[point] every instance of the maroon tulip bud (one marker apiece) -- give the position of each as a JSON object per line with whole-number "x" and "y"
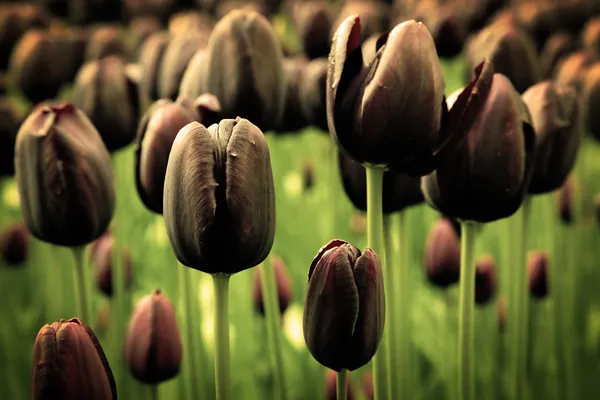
{"x": 107, "y": 92}
{"x": 14, "y": 244}
{"x": 308, "y": 174}
{"x": 293, "y": 116}
{"x": 70, "y": 46}
{"x": 358, "y": 223}
{"x": 151, "y": 55}
{"x": 313, "y": 23}
{"x": 442, "y": 254}
{"x": 557, "y": 47}
{"x": 105, "y": 41}
{"x": 537, "y": 266}
{"x": 448, "y": 32}
{"x": 15, "y": 21}
{"x": 194, "y": 75}
{"x": 591, "y": 100}
{"x": 572, "y": 70}
{"x": 69, "y": 364}
{"x": 140, "y": 28}
{"x": 485, "y": 279}
{"x": 208, "y": 109}
{"x": 565, "y": 201}
{"x": 590, "y": 36}
{"x": 331, "y": 386}
{"x": 282, "y": 281}
{"x": 313, "y": 93}
{"x": 153, "y": 348}
{"x": 501, "y": 313}
{"x": 102, "y": 258}
{"x": 10, "y": 121}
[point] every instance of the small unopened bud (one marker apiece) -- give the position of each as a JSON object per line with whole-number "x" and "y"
{"x": 103, "y": 261}
{"x": 14, "y": 244}
{"x": 442, "y": 254}
{"x": 308, "y": 173}
{"x": 537, "y": 265}
{"x": 485, "y": 279}
{"x": 283, "y": 283}
{"x": 565, "y": 201}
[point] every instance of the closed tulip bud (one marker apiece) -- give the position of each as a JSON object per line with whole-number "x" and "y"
{"x": 70, "y": 45}
{"x": 293, "y": 116}
{"x": 208, "y": 109}
{"x": 591, "y": 100}
{"x": 510, "y": 50}
{"x": 14, "y": 244}
{"x": 448, "y": 32}
{"x": 399, "y": 190}
{"x": 107, "y": 92}
{"x": 374, "y": 113}
{"x": 219, "y": 198}
{"x": 557, "y": 47}
{"x": 140, "y": 28}
{"x": 331, "y": 387}
{"x": 308, "y": 173}
{"x": 344, "y": 310}
{"x": 565, "y": 201}
{"x": 554, "y": 113}
{"x": 572, "y": 70}
{"x": 151, "y": 55}
{"x": 102, "y": 258}
{"x": 590, "y": 36}
{"x": 69, "y": 364}
{"x": 313, "y": 23}
{"x": 175, "y": 60}
{"x": 374, "y": 17}
{"x": 485, "y": 279}
{"x": 153, "y": 348}
{"x": 10, "y": 120}
{"x": 283, "y": 283}
{"x": 501, "y": 313}
{"x": 442, "y": 254}
{"x": 313, "y": 93}
{"x": 189, "y": 23}
{"x": 15, "y": 21}
{"x": 105, "y": 41}
{"x": 193, "y": 77}
{"x": 64, "y": 176}
{"x": 488, "y": 175}
{"x": 157, "y": 131}
{"x": 33, "y": 67}
{"x": 160, "y": 9}
{"x": 244, "y": 69}
{"x": 537, "y": 266}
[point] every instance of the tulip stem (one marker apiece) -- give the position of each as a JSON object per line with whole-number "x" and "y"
{"x": 340, "y": 384}
{"x": 466, "y": 312}
{"x": 273, "y": 319}
{"x": 381, "y": 376}
{"x": 221, "y": 332}
{"x": 185, "y": 282}
{"x": 82, "y": 288}
{"x": 153, "y": 392}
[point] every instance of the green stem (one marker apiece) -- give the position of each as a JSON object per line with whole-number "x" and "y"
{"x": 381, "y": 377}
{"x": 82, "y": 287}
{"x": 222, "y": 368}
{"x": 405, "y": 362}
{"x": 466, "y": 313}
{"x": 341, "y": 378}
{"x": 273, "y": 320}
{"x": 192, "y": 374}
{"x": 153, "y": 392}
{"x": 389, "y": 272}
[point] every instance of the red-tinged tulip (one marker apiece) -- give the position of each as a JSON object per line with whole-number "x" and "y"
{"x": 283, "y": 283}
{"x": 102, "y": 258}
{"x": 344, "y": 311}
{"x": 14, "y": 244}
{"x": 69, "y": 364}
{"x": 590, "y": 36}
{"x": 15, "y": 21}
{"x": 537, "y": 266}
{"x": 187, "y": 23}
{"x": 374, "y": 17}
{"x": 331, "y": 386}
{"x": 313, "y": 93}
{"x": 442, "y": 254}
{"x": 153, "y": 349}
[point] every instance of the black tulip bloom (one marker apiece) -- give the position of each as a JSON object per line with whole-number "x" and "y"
{"x": 243, "y": 69}
{"x": 105, "y": 41}
{"x": 313, "y": 24}
{"x": 488, "y": 175}
{"x": 448, "y": 31}
{"x": 485, "y": 280}
{"x": 555, "y": 114}
{"x": 175, "y": 60}
{"x": 151, "y": 55}
{"x": 10, "y": 120}
{"x": 283, "y": 283}
{"x": 399, "y": 191}
{"x": 156, "y": 133}
{"x": 537, "y": 266}
{"x": 373, "y": 111}
{"x": 140, "y": 28}
{"x": 313, "y": 93}
{"x": 374, "y": 17}
{"x": 69, "y": 364}
{"x": 107, "y": 92}
{"x": 14, "y": 244}
{"x": 15, "y": 21}
{"x": 219, "y": 197}
{"x": 69, "y": 47}
{"x": 590, "y": 36}
{"x": 591, "y": 100}
{"x": 344, "y": 311}
{"x": 64, "y": 176}
{"x": 557, "y": 47}
{"x": 442, "y": 254}
{"x": 293, "y": 116}
{"x": 153, "y": 348}
{"x": 193, "y": 77}
{"x": 102, "y": 258}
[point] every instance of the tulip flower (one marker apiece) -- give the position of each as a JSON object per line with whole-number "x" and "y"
{"x": 554, "y": 113}
{"x": 140, "y": 28}
{"x": 591, "y": 99}
{"x": 106, "y": 91}
{"x": 10, "y": 120}
{"x": 590, "y": 36}
{"x": 374, "y": 17}
{"x": 313, "y": 93}
{"x": 153, "y": 348}
{"x": 69, "y": 363}
{"x": 557, "y": 47}
{"x": 537, "y": 267}
{"x": 102, "y": 258}
{"x": 442, "y": 254}
{"x": 565, "y": 201}
{"x": 283, "y": 283}
{"x": 449, "y": 32}
{"x": 105, "y": 41}
{"x": 69, "y": 51}
{"x": 293, "y": 116}
{"x": 193, "y": 76}
{"x": 312, "y": 20}
{"x": 572, "y": 70}
{"x": 344, "y": 311}
{"x": 186, "y": 23}
{"x": 485, "y": 279}
{"x": 14, "y": 244}
{"x": 150, "y": 59}
{"x": 15, "y": 21}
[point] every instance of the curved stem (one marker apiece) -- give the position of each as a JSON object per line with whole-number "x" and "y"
{"x": 273, "y": 320}
{"x": 466, "y": 313}
{"x": 340, "y": 384}
{"x": 82, "y": 287}
{"x": 381, "y": 378}
{"x": 222, "y": 368}
{"x": 192, "y": 374}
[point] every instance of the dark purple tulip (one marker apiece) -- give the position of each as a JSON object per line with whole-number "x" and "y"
{"x": 153, "y": 349}
{"x": 374, "y": 113}
{"x": 399, "y": 190}
{"x": 151, "y": 55}
{"x": 572, "y": 70}
{"x": 555, "y": 114}
{"x": 102, "y": 258}
{"x": 140, "y": 28}
{"x": 590, "y": 36}
{"x": 107, "y": 92}
{"x": 331, "y": 386}
{"x": 64, "y": 176}
{"x": 284, "y": 287}
{"x": 565, "y": 201}
{"x": 557, "y": 47}
{"x": 591, "y": 100}
{"x": 308, "y": 174}
{"x": 449, "y": 32}
{"x": 488, "y": 175}
{"x": 15, "y": 21}
{"x": 156, "y": 133}
{"x": 14, "y": 244}
{"x": 344, "y": 311}
{"x": 103, "y": 318}
{"x": 293, "y": 115}
{"x": 313, "y": 93}
{"x": 219, "y": 197}
{"x": 537, "y": 266}
{"x": 485, "y": 279}
{"x": 442, "y": 254}
{"x": 374, "y": 17}
{"x": 313, "y": 20}
{"x": 69, "y": 364}
{"x": 105, "y": 41}
{"x": 69, "y": 47}
{"x": 194, "y": 75}
{"x": 11, "y": 118}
